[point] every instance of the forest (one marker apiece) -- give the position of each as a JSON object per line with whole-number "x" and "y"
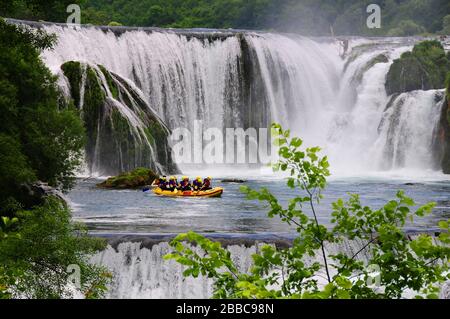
{"x": 307, "y": 17}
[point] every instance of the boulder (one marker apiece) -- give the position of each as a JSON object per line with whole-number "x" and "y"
{"x": 233, "y": 180}
{"x": 137, "y": 178}
{"x": 424, "y": 68}
{"x": 31, "y": 195}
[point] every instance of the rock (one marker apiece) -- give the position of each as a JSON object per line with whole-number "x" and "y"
{"x": 444, "y": 134}
{"x": 31, "y": 195}
{"x": 424, "y": 68}
{"x": 137, "y": 178}
{"x": 123, "y": 132}
{"x": 233, "y": 180}
{"x": 380, "y": 58}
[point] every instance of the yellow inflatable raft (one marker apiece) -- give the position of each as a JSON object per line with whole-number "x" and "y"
{"x": 215, "y": 192}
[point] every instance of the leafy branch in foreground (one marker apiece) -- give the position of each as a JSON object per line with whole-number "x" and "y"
{"x": 36, "y": 249}
{"x": 385, "y": 254}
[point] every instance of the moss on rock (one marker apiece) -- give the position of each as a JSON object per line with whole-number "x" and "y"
{"x": 380, "y": 58}
{"x": 130, "y": 180}
{"x": 72, "y": 71}
{"x": 116, "y": 140}
{"x": 424, "y": 68}
{"x": 111, "y": 84}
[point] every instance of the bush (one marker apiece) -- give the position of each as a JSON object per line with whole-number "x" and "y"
{"x": 406, "y": 28}
{"x": 36, "y": 249}
{"x": 446, "y": 25}
{"x": 114, "y": 24}
{"x": 419, "y": 265}
{"x": 40, "y": 138}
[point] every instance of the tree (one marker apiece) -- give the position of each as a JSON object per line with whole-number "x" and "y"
{"x": 49, "y": 10}
{"x": 406, "y": 28}
{"x": 308, "y": 17}
{"x": 41, "y": 138}
{"x": 446, "y": 25}
{"x": 417, "y": 264}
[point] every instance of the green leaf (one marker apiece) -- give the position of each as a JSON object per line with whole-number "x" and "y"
{"x": 443, "y": 224}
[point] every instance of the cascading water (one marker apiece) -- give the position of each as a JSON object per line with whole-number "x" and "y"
{"x": 141, "y": 272}
{"x": 250, "y": 79}
{"x": 244, "y": 79}
{"x": 408, "y": 129}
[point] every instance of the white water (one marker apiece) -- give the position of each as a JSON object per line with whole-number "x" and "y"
{"x": 300, "y": 82}
{"x": 140, "y": 272}
{"x": 143, "y": 273}
{"x": 406, "y": 131}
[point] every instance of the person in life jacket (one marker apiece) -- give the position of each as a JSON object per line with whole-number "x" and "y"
{"x": 173, "y": 183}
{"x": 185, "y": 185}
{"x": 206, "y": 184}
{"x": 162, "y": 182}
{"x": 197, "y": 183}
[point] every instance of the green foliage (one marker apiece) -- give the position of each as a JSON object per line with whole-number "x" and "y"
{"x": 446, "y": 25}
{"x": 38, "y": 247}
{"x": 114, "y": 24}
{"x": 424, "y": 68}
{"x": 311, "y": 17}
{"x": 39, "y": 137}
{"x": 418, "y": 264}
{"x": 49, "y": 10}
{"x": 111, "y": 84}
{"x": 72, "y": 71}
{"x": 406, "y": 28}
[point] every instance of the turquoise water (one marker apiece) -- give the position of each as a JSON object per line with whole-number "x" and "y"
{"x": 133, "y": 211}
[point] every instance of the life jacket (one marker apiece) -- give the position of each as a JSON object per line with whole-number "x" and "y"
{"x": 173, "y": 183}
{"x": 185, "y": 186}
{"x": 206, "y": 184}
{"x": 162, "y": 184}
{"x": 197, "y": 185}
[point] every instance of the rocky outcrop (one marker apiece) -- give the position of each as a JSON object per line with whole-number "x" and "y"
{"x": 31, "y": 195}
{"x": 424, "y": 68}
{"x": 444, "y": 135}
{"x": 233, "y": 180}
{"x": 123, "y": 132}
{"x": 130, "y": 180}
{"x": 380, "y": 58}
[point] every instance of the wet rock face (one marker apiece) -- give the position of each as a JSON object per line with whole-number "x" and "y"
{"x": 445, "y": 133}
{"x": 31, "y": 195}
{"x": 123, "y": 132}
{"x": 424, "y": 68}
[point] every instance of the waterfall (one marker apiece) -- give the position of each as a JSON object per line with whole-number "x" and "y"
{"x": 408, "y": 130}
{"x": 249, "y": 79}
{"x": 141, "y": 272}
